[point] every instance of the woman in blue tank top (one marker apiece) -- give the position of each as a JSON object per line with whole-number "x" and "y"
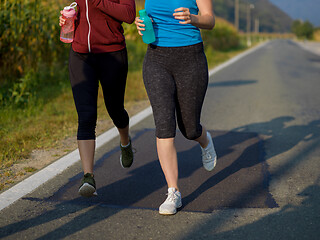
{"x": 168, "y": 30}
{"x": 175, "y": 74}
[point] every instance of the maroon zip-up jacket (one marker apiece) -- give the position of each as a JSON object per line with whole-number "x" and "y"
{"x": 98, "y": 25}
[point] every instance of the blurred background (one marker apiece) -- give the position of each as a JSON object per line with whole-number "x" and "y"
{"x": 36, "y": 107}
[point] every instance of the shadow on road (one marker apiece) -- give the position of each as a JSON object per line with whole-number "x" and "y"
{"x": 241, "y": 161}
{"x": 290, "y": 222}
{"x": 232, "y": 83}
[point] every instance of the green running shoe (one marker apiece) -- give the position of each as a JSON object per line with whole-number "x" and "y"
{"x": 126, "y": 155}
{"x": 88, "y": 186}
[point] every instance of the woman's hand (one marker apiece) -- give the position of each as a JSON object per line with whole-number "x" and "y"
{"x": 62, "y": 20}
{"x": 140, "y": 25}
{"x": 205, "y": 20}
{"x": 184, "y": 15}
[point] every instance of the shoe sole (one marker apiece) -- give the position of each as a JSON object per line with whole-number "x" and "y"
{"x": 169, "y": 213}
{"x": 86, "y": 190}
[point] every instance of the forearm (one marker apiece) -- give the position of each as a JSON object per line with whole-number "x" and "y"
{"x": 123, "y": 11}
{"x": 203, "y": 21}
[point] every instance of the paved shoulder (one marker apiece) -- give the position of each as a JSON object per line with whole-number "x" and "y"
{"x": 313, "y": 47}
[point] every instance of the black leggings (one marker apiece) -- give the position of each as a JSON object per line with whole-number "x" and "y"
{"x": 176, "y": 80}
{"x": 85, "y": 71}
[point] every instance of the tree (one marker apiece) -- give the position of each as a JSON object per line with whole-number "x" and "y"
{"x": 302, "y": 29}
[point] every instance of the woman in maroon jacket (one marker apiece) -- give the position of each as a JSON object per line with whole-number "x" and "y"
{"x": 98, "y": 53}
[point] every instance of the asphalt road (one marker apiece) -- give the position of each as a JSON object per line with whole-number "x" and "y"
{"x": 263, "y": 111}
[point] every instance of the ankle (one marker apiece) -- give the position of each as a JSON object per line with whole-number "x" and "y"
{"x": 90, "y": 173}
{"x": 125, "y": 145}
{"x": 125, "y": 141}
{"x": 205, "y": 144}
{"x": 175, "y": 188}
{"x": 203, "y": 140}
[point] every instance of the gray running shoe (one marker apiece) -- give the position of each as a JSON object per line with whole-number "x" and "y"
{"x": 88, "y": 186}
{"x": 170, "y": 205}
{"x": 126, "y": 155}
{"x": 209, "y": 156}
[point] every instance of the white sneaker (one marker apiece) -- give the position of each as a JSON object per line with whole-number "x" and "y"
{"x": 172, "y": 202}
{"x": 209, "y": 156}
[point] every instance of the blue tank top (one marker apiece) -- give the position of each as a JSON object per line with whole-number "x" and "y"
{"x": 168, "y": 31}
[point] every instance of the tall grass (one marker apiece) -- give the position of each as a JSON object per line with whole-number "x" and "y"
{"x": 33, "y": 72}
{"x": 29, "y": 43}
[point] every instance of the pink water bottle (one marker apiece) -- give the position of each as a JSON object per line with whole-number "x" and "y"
{"x": 67, "y": 30}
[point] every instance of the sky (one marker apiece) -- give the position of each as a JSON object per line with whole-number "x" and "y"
{"x": 301, "y": 9}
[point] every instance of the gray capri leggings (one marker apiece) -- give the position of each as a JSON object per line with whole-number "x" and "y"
{"x": 176, "y": 80}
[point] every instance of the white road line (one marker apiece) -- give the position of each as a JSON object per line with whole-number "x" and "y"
{"x": 34, "y": 181}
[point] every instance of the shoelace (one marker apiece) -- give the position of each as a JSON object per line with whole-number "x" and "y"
{"x": 171, "y": 197}
{"x": 207, "y": 155}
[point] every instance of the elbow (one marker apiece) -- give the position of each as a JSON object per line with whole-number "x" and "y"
{"x": 209, "y": 23}
{"x": 131, "y": 16}
{"x": 213, "y": 23}
{"x": 209, "y": 26}
{"x": 131, "y": 19}
{"x": 212, "y": 26}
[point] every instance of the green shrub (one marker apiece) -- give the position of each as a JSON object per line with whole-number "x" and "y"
{"x": 223, "y": 37}
{"x": 302, "y": 29}
{"x": 29, "y": 36}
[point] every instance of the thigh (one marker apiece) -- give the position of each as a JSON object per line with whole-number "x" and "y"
{"x": 84, "y": 82}
{"x": 161, "y": 91}
{"x": 113, "y": 70}
{"x": 192, "y": 83}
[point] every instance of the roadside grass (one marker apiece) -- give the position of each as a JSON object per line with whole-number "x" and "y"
{"x": 215, "y": 58}
{"x": 316, "y": 35}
